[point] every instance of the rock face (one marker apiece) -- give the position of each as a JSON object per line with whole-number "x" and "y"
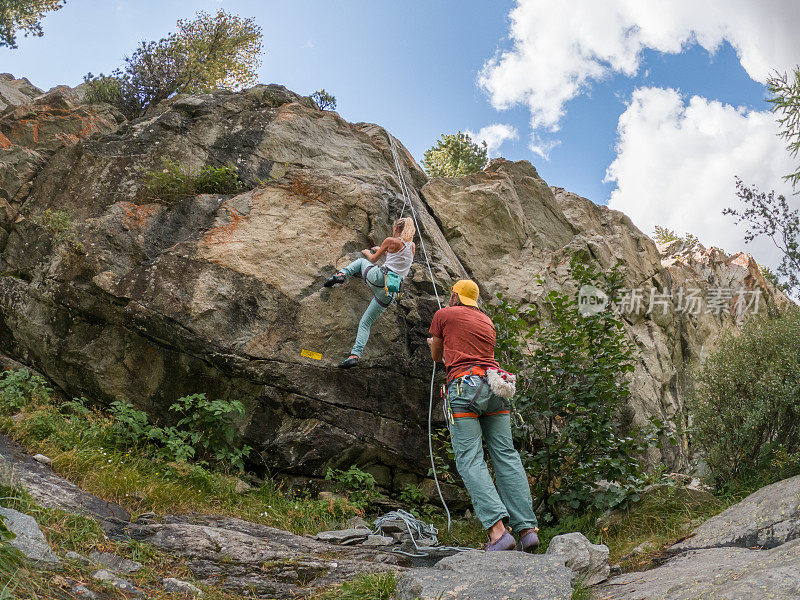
{"x": 249, "y": 558}
{"x": 14, "y": 92}
{"x": 50, "y": 490}
{"x": 489, "y": 576}
{"x": 128, "y": 296}
{"x": 751, "y": 550}
{"x": 588, "y": 562}
{"x": 766, "y": 519}
{"x": 29, "y": 538}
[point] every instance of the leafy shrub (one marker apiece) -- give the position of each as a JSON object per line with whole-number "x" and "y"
{"x": 220, "y": 51}
{"x": 56, "y": 222}
{"x": 20, "y": 387}
{"x": 747, "y": 403}
{"x": 209, "y": 428}
{"x": 205, "y": 433}
{"x": 664, "y": 235}
{"x": 359, "y": 484}
{"x": 454, "y": 155}
{"x": 324, "y": 100}
{"x": 443, "y": 456}
{"x": 175, "y": 182}
{"x": 572, "y": 378}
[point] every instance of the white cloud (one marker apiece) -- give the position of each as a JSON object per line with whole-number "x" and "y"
{"x": 494, "y": 135}
{"x": 560, "y": 48}
{"x": 676, "y": 163}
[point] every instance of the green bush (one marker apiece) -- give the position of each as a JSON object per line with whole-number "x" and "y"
{"x": 219, "y": 51}
{"x": 572, "y": 378}
{"x": 746, "y": 409}
{"x": 359, "y": 484}
{"x": 205, "y": 432}
{"x": 324, "y": 100}
{"x": 175, "y": 182}
{"x": 56, "y": 222}
{"x": 20, "y": 387}
{"x": 209, "y": 429}
{"x": 454, "y": 155}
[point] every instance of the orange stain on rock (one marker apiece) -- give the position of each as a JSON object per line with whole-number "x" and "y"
{"x": 224, "y": 234}
{"x": 137, "y": 215}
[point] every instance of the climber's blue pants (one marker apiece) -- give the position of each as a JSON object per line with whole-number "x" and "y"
{"x": 479, "y": 414}
{"x": 380, "y": 302}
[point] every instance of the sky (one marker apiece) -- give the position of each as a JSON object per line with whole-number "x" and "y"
{"x": 650, "y": 107}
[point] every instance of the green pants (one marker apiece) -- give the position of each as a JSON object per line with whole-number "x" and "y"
{"x": 380, "y": 302}
{"x": 477, "y": 415}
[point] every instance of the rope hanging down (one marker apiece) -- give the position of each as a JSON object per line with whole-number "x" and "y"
{"x": 407, "y": 201}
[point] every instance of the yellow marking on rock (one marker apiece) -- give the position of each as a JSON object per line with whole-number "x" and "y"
{"x": 310, "y": 354}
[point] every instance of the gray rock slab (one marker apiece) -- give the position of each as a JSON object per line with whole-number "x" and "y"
{"x": 589, "y": 562}
{"x": 714, "y": 574}
{"x": 249, "y": 558}
{"x": 119, "y": 583}
{"x": 115, "y": 563}
{"x": 766, "y": 518}
{"x": 49, "y": 489}
{"x": 477, "y": 575}
{"x": 83, "y": 592}
{"x": 378, "y": 540}
{"x": 29, "y": 538}
{"x": 343, "y": 536}
{"x": 171, "y": 584}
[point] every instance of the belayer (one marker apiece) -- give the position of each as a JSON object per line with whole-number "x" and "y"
{"x": 384, "y": 281}
{"x": 477, "y": 407}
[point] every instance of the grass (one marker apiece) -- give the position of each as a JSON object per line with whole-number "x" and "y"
{"x": 367, "y": 586}
{"x": 175, "y": 182}
{"x": 85, "y": 448}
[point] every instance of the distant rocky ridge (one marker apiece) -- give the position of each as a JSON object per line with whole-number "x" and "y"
{"x": 148, "y": 300}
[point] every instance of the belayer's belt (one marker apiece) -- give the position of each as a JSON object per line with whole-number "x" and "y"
{"x": 465, "y": 377}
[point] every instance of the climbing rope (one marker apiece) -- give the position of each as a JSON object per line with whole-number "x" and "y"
{"x": 407, "y": 201}
{"x": 417, "y": 529}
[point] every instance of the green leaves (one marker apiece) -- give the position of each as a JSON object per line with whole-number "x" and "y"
{"x": 454, "y": 155}
{"x": 20, "y": 387}
{"x": 23, "y": 16}
{"x": 747, "y": 402}
{"x": 206, "y": 432}
{"x": 175, "y": 182}
{"x": 324, "y": 100}
{"x": 219, "y": 51}
{"x": 572, "y": 377}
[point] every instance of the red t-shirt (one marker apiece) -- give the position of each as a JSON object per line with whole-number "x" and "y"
{"x": 468, "y": 336}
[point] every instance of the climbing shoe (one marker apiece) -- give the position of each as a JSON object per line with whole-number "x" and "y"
{"x": 530, "y": 541}
{"x": 506, "y": 542}
{"x": 333, "y": 280}
{"x": 349, "y": 363}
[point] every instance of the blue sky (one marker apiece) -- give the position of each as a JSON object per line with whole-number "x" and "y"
{"x": 414, "y": 68}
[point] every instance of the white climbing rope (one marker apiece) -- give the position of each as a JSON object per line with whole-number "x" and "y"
{"x": 407, "y": 201}
{"x": 417, "y": 529}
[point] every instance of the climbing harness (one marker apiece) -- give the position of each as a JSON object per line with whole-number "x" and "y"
{"x": 392, "y": 290}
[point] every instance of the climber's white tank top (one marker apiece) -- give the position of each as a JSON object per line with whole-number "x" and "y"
{"x": 400, "y": 261}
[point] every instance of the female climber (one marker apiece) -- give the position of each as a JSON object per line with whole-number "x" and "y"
{"x": 399, "y": 251}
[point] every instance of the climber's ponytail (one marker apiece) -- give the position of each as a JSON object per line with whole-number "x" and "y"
{"x": 405, "y": 225}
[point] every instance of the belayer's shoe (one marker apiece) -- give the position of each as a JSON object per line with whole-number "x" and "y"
{"x": 530, "y": 541}
{"x": 506, "y": 542}
{"x": 333, "y": 280}
{"x": 349, "y": 363}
